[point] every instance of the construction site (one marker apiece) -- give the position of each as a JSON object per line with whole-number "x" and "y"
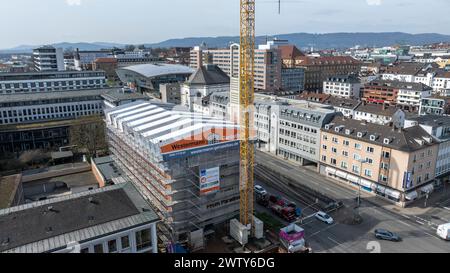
{"x": 185, "y": 164}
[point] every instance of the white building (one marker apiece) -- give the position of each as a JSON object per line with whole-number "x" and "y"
{"x": 115, "y": 219}
{"x": 345, "y": 86}
{"x": 206, "y": 80}
{"x": 379, "y": 114}
{"x": 413, "y": 97}
{"x": 48, "y": 58}
{"x": 35, "y": 82}
{"x": 27, "y": 108}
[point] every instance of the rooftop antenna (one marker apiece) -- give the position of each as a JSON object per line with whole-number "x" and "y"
{"x": 279, "y": 6}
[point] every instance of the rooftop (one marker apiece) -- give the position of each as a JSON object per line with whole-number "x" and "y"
{"x": 290, "y": 52}
{"x": 40, "y": 96}
{"x": 107, "y": 167}
{"x": 327, "y": 60}
{"x": 341, "y": 102}
{"x": 377, "y": 109}
{"x": 432, "y": 120}
{"x": 209, "y": 75}
{"x": 118, "y": 95}
{"x": 399, "y": 85}
{"x": 155, "y": 70}
{"x": 344, "y": 78}
{"x": 408, "y": 140}
{"x": 405, "y": 68}
{"x": 52, "y": 224}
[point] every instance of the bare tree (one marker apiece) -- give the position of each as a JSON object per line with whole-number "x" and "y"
{"x": 89, "y": 137}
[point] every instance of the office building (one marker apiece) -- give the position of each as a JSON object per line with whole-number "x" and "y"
{"x": 33, "y": 82}
{"x": 48, "y": 58}
{"x": 435, "y": 105}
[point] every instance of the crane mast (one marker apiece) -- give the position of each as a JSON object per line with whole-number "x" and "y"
{"x": 246, "y": 80}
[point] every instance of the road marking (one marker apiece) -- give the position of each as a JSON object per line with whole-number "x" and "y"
{"x": 406, "y": 224}
{"x": 447, "y": 208}
{"x": 334, "y": 241}
{"x": 327, "y": 228}
{"x": 420, "y": 222}
{"x": 407, "y": 217}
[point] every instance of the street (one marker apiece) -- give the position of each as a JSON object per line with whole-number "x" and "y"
{"x": 417, "y": 231}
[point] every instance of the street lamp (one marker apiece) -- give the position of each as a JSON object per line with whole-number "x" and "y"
{"x": 361, "y": 161}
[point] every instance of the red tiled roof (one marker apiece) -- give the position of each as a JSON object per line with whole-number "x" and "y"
{"x": 328, "y": 60}
{"x": 106, "y": 60}
{"x": 290, "y": 52}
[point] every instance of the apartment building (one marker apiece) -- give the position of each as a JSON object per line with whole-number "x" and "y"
{"x": 439, "y": 128}
{"x": 319, "y": 69}
{"x": 396, "y": 164}
{"x": 405, "y": 94}
{"x": 34, "y": 82}
{"x": 382, "y": 114}
{"x": 48, "y": 58}
{"x": 344, "y": 86}
{"x": 435, "y": 105}
{"x": 429, "y": 74}
{"x": 115, "y": 219}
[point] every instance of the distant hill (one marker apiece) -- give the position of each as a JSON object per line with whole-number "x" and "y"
{"x": 301, "y": 40}
{"x": 320, "y": 41}
{"x": 64, "y": 45}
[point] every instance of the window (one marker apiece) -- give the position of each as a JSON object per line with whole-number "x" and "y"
{"x": 333, "y": 161}
{"x": 324, "y": 158}
{"x": 370, "y": 150}
{"x": 325, "y": 137}
{"x": 386, "y": 154}
{"x": 324, "y": 147}
{"x": 344, "y": 165}
{"x": 355, "y": 169}
{"x": 345, "y": 153}
{"x": 335, "y": 140}
{"x": 112, "y": 246}
{"x": 346, "y": 143}
{"x": 98, "y": 248}
{"x": 368, "y": 173}
{"x": 125, "y": 240}
{"x": 385, "y": 166}
{"x": 369, "y": 160}
{"x": 334, "y": 150}
{"x": 143, "y": 239}
{"x": 356, "y": 157}
{"x": 383, "y": 178}
{"x": 358, "y": 146}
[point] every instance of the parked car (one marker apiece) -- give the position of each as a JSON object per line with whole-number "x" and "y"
{"x": 322, "y": 216}
{"x": 383, "y": 234}
{"x": 260, "y": 190}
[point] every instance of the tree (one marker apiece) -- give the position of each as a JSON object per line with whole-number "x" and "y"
{"x": 89, "y": 136}
{"x": 130, "y": 48}
{"x": 33, "y": 156}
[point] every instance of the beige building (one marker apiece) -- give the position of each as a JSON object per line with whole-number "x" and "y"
{"x": 397, "y": 164}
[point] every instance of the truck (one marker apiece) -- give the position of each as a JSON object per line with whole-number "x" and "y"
{"x": 274, "y": 202}
{"x": 292, "y": 239}
{"x": 286, "y": 213}
{"x": 443, "y": 231}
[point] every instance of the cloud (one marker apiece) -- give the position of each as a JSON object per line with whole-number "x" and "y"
{"x": 374, "y": 2}
{"x": 73, "y": 2}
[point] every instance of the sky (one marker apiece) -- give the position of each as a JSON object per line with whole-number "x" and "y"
{"x": 36, "y": 22}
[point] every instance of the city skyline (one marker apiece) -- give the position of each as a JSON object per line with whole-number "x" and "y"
{"x": 97, "y": 19}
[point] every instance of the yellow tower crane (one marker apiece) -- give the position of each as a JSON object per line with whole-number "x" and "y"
{"x": 246, "y": 80}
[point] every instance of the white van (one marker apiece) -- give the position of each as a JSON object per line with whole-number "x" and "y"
{"x": 443, "y": 231}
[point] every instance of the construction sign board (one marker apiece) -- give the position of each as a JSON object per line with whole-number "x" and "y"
{"x": 209, "y": 180}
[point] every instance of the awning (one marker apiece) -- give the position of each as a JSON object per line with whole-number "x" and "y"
{"x": 366, "y": 183}
{"x": 341, "y": 174}
{"x": 392, "y": 193}
{"x": 353, "y": 178}
{"x": 330, "y": 170}
{"x": 428, "y": 188}
{"x": 411, "y": 195}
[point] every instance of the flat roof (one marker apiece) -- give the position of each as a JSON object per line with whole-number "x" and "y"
{"x": 52, "y": 224}
{"x": 118, "y": 95}
{"x": 39, "y": 96}
{"x": 155, "y": 70}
